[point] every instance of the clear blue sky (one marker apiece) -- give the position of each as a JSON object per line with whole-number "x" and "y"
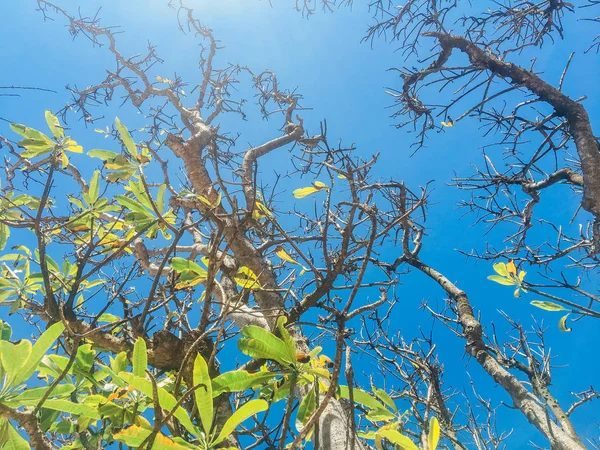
{"x": 343, "y": 81}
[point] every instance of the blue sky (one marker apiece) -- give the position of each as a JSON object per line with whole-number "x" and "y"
{"x": 344, "y": 81}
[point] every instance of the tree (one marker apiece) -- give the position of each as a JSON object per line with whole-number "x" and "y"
{"x": 178, "y": 256}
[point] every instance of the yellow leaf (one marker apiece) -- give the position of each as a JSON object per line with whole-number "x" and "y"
{"x": 64, "y": 160}
{"x": 304, "y": 192}
{"x": 511, "y": 268}
{"x": 72, "y": 146}
{"x": 207, "y": 202}
{"x": 522, "y": 275}
{"x": 190, "y": 283}
{"x": 279, "y": 251}
{"x": 434, "y": 434}
{"x": 325, "y": 361}
{"x": 247, "y": 279}
{"x": 260, "y": 211}
{"x": 500, "y": 269}
{"x": 80, "y": 228}
{"x": 316, "y": 187}
{"x": 134, "y": 436}
{"x": 448, "y": 124}
{"x": 562, "y": 324}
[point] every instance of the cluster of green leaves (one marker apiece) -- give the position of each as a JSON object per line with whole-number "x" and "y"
{"x": 93, "y": 219}
{"x": 11, "y": 207}
{"x": 18, "y": 363}
{"x": 146, "y": 214}
{"x": 37, "y": 143}
{"x": 18, "y": 282}
{"x": 202, "y": 437}
{"x": 110, "y": 401}
{"x": 383, "y": 413}
{"x": 508, "y": 275}
{"x": 291, "y": 368}
{"x": 123, "y": 166}
{"x": 118, "y": 398}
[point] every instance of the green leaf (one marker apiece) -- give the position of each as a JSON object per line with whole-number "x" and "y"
{"x": 385, "y": 398}
{"x": 76, "y": 409}
{"x": 31, "y": 396}
{"x": 15, "y": 440}
{"x": 562, "y": 324}
{"x": 547, "y": 306}
{"x": 502, "y": 280}
{"x": 134, "y": 436}
{"x": 188, "y": 279}
{"x": 30, "y": 133}
{"x": 182, "y": 264}
{"x": 120, "y": 175}
{"x": 126, "y": 137}
{"x": 434, "y": 434}
{"x": 203, "y": 393}
{"x": 264, "y": 344}
{"x": 4, "y": 235}
{"x": 160, "y": 198}
{"x": 240, "y": 380}
{"x": 35, "y": 148}
{"x": 395, "y": 437}
{"x": 360, "y": 397}
{"x": 286, "y": 337}
{"x": 119, "y": 363}
{"x": 106, "y": 317}
{"x": 140, "y": 358}
{"x": 94, "y": 188}
{"x": 367, "y": 434}
{"x": 307, "y": 406}
{"x": 49, "y": 417}
{"x": 247, "y": 410}
{"x": 139, "y": 191}
{"x": 5, "y": 331}
{"x": 42, "y": 345}
{"x": 104, "y": 155}
{"x": 380, "y": 414}
{"x": 132, "y": 205}
{"x": 14, "y": 358}
{"x": 84, "y": 359}
{"x": 165, "y": 399}
{"x": 54, "y": 125}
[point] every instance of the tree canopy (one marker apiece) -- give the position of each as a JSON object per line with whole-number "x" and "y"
{"x": 197, "y": 252}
